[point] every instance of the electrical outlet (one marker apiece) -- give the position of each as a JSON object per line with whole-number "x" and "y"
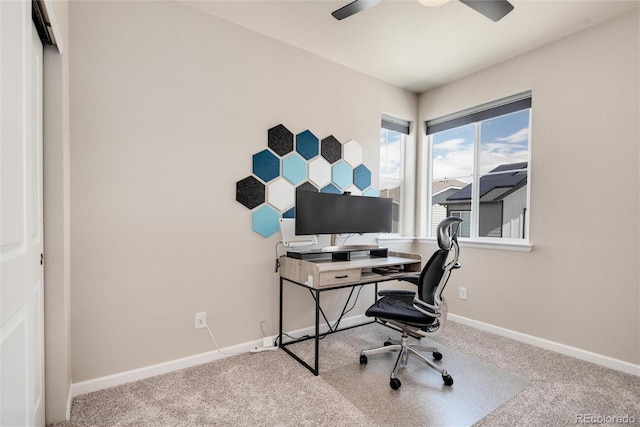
{"x": 463, "y": 293}
{"x": 267, "y": 342}
{"x": 201, "y": 320}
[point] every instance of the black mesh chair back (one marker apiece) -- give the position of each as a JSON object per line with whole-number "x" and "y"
{"x": 431, "y": 276}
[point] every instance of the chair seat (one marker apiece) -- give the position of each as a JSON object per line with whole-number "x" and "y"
{"x": 395, "y": 309}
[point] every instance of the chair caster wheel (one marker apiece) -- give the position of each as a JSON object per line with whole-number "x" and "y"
{"x": 437, "y": 355}
{"x": 363, "y": 359}
{"x": 447, "y": 380}
{"x": 395, "y": 383}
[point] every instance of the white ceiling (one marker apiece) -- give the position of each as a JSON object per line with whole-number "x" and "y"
{"x": 410, "y": 45}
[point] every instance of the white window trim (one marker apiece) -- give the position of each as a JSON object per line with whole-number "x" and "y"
{"x": 395, "y": 238}
{"x": 513, "y": 245}
{"x": 401, "y": 181}
{"x": 521, "y": 245}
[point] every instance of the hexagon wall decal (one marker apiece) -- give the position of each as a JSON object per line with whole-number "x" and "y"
{"x": 250, "y": 192}
{"x": 266, "y": 221}
{"x": 354, "y": 191}
{"x": 280, "y": 194}
{"x": 342, "y": 174}
{"x": 331, "y": 189}
{"x": 307, "y": 186}
{"x": 331, "y": 149}
{"x": 371, "y": 192}
{"x": 299, "y": 163}
{"x": 362, "y": 177}
{"x": 280, "y": 140}
{"x": 307, "y": 144}
{"x": 294, "y": 168}
{"x": 319, "y": 171}
{"x": 353, "y": 153}
{"x": 266, "y": 165}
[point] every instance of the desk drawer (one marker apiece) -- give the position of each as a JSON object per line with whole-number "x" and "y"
{"x": 332, "y": 278}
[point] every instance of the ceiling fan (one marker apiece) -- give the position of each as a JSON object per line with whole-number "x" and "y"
{"x": 492, "y": 9}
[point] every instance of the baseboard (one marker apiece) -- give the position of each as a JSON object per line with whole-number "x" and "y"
{"x": 187, "y": 362}
{"x": 198, "y": 359}
{"x": 67, "y": 413}
{"x": 598, "y": 359}
{"x": 160, "y": 368}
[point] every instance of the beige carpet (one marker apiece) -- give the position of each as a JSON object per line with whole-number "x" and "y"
{"x": 272, "y": 389}
{"x": 423, "y": 399}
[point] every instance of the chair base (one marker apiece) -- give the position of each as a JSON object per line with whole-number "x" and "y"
{"x": 405, "y": 350}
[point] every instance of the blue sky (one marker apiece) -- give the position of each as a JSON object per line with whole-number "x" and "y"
{"x": 390, "y": 154}
{"x": 503, "y": 140}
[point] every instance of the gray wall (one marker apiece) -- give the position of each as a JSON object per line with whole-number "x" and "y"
{"x": 168, "y": 104}
{"x": 580, "y": 284}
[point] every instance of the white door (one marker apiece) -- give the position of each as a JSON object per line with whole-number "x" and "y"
{"x": 21, "y": 270}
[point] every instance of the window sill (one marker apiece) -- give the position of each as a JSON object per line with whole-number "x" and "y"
{"x": 501, "y": 245}
{"x": 395, "y": 238}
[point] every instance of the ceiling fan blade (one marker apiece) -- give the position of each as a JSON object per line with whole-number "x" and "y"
{"x": 353, "y": 8}
{"x": 492, "y": 9}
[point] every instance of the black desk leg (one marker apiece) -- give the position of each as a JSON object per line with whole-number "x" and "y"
{"x": 317, "y": 338}
{"x": 280, "y": 320}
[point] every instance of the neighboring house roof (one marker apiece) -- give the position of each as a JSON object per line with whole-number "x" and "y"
{"x": 441, "y": 197}
{"x": 446, "y": 184}
{"x": 494, "y": 188}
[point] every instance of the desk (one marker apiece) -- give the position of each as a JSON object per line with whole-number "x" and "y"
{"x": 322, "y": 274}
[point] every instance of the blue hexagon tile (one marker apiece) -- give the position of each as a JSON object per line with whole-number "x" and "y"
{"x": 307, "y": 144}
{"x": 362, "y": 177}
{"x": 371, "y": 192}
{"x": 266, "y": 165}
{"x": 342, "y": 174}
{"x": 331, "y": 189}
{"x": 294, "y": 168}
{"x": 266, "y": 221}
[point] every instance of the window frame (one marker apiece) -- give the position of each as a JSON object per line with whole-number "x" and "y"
{"x": 475, "y": 116}
{"x": 401, "y": 127}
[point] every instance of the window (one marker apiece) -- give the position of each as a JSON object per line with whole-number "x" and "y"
{"x": 479, "y": 169}
{"x": 392, "y": 139}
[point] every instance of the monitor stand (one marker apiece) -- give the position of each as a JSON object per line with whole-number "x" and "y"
{"x": 339, "y": 253}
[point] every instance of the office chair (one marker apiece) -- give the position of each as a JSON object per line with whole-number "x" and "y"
{"x": 423, "y": 315}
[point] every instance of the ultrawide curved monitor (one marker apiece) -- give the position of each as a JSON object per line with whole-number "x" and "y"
{"x": 326, "y": 213}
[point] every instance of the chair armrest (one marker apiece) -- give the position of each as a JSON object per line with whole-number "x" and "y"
{"x": 411, "y": 278}
{"x": 401, "y": 294}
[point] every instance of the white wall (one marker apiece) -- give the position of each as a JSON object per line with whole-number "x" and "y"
{"x": 168, "y": 105}
{"x": 580, "y": 284}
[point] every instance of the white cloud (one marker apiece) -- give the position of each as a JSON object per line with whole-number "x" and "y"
{"x": 451, "y": 144}
{"x": 519, "y": 136}
{"x": 455, "y": 164}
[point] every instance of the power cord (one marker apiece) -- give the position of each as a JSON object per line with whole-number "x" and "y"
{"x": 216, "y": 344}
{"x": 277, "y": 257}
